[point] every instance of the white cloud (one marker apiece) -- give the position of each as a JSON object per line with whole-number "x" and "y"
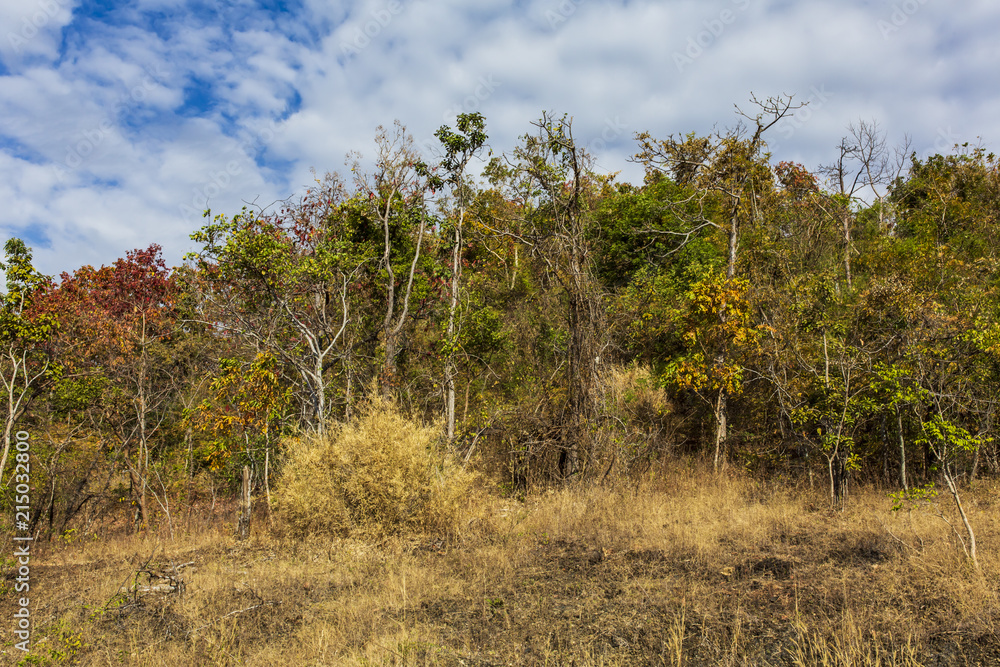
{"x": 609, "y": 64}
{"x": 32, "y": 28}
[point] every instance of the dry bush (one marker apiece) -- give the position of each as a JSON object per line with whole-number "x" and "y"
{"x": 382, "y": 473}
{"x": 632, "y": 430}
{"x": 636, "y": 426}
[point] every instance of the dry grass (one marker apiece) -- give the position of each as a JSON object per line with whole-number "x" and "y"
{"x": 688, "y": 570}
{"x": 377, "y": 475}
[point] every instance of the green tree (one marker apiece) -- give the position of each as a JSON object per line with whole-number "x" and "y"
{"x": 733, "y": 183}
{"x": 393, "y": 197}
{"x": 23, "y": 333}
{"x": 287, "y": 284}
{"x": 460, "y": 147}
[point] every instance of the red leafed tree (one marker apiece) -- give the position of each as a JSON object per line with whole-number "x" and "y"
{"x": 115, "y": 322}
{"x": 796, "y": 179}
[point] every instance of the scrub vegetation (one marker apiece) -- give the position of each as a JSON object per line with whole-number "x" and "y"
{"x": 484, "y": 408}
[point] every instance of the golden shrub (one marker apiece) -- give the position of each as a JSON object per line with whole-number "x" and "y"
{"x": 381, "y": 473}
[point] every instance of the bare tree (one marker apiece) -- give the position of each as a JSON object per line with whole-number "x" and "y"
{"x": 865, "y": 167}
{"x": 394, "y": 195}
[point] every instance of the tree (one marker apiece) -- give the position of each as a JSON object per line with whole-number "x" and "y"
{"x": 834, "y": 409}
{"x": 550, "y": 177}
{"x": 947, "y": 440}
{"x": 864, "y": 167}
{"x": 394, "y": 196}
{"x": 460, "y": 147}
{"x": 948, "y": 203}
{"x": 248, "y": 408}
{"x": 285, "y": 284}
{"x": 707, "y": 338}
{"x": 732, "y": 181}
{"x": 23, "y": 333}
{"x": 117, "y": 324}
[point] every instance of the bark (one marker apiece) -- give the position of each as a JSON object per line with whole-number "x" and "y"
{"x": 580, "y": 372}
{"x": 246, "y": 506}
{"x": 847, "y": 248}
{"x": 902, "y": 449}
{"x": 721, "y": 428}
{"x": 393, "y": 324}
{"x": 19, "y": 394}
{"x": 450, "y": 370}
{"x": 349, "y": 391}
{"x": 138, "y": 493}
{"x": 267, "y": 484}
{"x": 722, "y": 400}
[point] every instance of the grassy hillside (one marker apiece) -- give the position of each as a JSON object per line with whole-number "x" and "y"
{"x": 687, "y": 569}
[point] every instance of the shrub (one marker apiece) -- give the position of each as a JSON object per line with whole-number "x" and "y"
{"x": 381, "y": 473}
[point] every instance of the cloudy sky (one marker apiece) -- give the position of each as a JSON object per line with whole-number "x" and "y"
{"x": 120, "y": 121}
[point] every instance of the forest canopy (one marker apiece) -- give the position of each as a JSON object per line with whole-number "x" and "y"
{"x": 552, "y": 323}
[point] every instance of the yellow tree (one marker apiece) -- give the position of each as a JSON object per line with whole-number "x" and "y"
{"x": 248, "y": 407}
{"x": 715, "y": 346}
{"x": 731, "y": 184}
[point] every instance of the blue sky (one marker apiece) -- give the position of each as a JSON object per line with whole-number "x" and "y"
{"x": 119, "y": 121}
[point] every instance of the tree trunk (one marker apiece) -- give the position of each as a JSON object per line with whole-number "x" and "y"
{"x": 393, "y": 324}
{"x": 267, "y": 484}
{"x": 388, "y": 379}
{"x": 580, "y": 367}
{"x": 847, "y": 249}
{"x": 838, "y": 479}
{"x": 138, "y": 493}
{"x": 953, "y": 489}
{"x": 721, "y": 429}
{"x": 243, "y": 525}
{"x": 319, "y": 398}
{"x": 8, "y": 430}
{"x": 389, "y": 364}
{"x": 449, "y": 370}
{"x": 902, "y": 449}
{"x": 349, "y": 390}
{"x": 18, "y": 395}
{"x": 722, "y": 401}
